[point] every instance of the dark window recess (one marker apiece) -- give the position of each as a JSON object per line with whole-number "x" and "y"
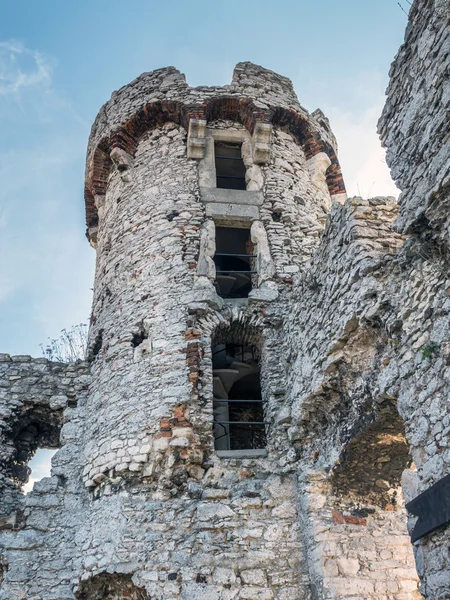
{"x": 238, "y": 408}
{"x": 234, "y": 260}
{"x": 230, "y": 168}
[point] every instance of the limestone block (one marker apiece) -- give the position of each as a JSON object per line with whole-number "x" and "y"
{"x": 227, "y": 213}
{"x": 196, "y": 139}
{"x": 214, "y": 511}
{"x": 261, "y": 143}
{"x": 348, "y": 566}
{"x": 123, "y": 163}
{"x": 265, "y": 266}
{"x": 205, "y": 265}
{"x": 253, "y": 577}
{"x": 181, "y": 442}
{"x": 256, "y": 593}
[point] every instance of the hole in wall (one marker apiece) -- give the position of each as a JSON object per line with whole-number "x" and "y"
{"x": 39, "y": 467}
{"x": 371, "y": 467}
{"x": 97, "y": 345}
{"x": 172, "y": 214}
{"x": 276, "y": 216}
{"x": 238, "y": 407}
{"x": 230, "y": 168}
{"x": 235, "y": 262}
{"x": 110, "y": 587}
{"x": 139, "y": 336}
{"x": 38, "y": 436}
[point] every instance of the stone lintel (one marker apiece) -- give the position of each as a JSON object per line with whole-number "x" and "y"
{"x": 232, "y": 214}
{"x": 221, "y": 196}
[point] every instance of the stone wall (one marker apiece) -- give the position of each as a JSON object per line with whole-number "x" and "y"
{"x": 414, "y": 124}
{"x": 350, "y": 321}
{"x": 414, "y": 127}
{"x": 34, "y": 395}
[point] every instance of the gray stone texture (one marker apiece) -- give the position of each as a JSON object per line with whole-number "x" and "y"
{"x": 350, "y": 318}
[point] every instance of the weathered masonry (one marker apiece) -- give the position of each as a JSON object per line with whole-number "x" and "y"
{"x": 268, "y": 370}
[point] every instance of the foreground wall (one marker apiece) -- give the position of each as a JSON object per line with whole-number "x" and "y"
{"x": 415, "y": 128}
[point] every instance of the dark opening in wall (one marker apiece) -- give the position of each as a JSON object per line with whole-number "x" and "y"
{"x": 230, "y": 168}
{"x": 40, "y": 429}
{"x": 371, "y": 466}
{"x": 97, "y": 346}
{"x": 234, "y": 260}
{"x": 139, "y": 336}
{"x": 238, "y": 407}
{"x": 110, "y": 587}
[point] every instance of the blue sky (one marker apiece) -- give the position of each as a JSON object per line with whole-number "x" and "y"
{"x": 60, "y": 61}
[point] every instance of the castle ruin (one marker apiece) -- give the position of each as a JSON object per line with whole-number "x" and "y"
{"x": 269, "y": 362}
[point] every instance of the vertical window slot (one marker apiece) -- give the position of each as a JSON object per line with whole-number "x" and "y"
{"x": 234, "y": 260}
{"x": 238, "y": 407}
{"x": 230, "y": 168}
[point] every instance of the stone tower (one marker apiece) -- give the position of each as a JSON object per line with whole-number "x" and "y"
{"x": 268, "y": 369}
{"x": 202, "y": 205}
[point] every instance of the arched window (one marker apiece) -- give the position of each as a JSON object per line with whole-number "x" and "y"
{"x": 238, "y": 406}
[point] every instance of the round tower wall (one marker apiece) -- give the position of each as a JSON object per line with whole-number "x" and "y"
{"x": 147, "y": 245}
{"x": 149, "y": 448}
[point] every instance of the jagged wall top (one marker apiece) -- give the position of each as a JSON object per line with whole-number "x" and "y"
{"x": 254, "y": 95}
{"x": 415, "y": 124}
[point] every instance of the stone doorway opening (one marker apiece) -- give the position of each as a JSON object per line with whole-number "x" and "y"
{"x": 368, "y": 553}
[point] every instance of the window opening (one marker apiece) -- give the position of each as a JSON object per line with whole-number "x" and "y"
{"x": 234, "y": 260}
{"x": 238, "y": 407}
{"x": 230, "y": 168}
{"x": 39, "y": 466}
{"x": 35, "y": 443}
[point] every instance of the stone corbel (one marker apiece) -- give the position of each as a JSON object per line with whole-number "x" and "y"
{"x": 206, "y": 266}
{"x": 123, "y": 163}
{"x": 261, "y": 143}
{"x": 264, "y": 262}
{"x": 91, "y": 235}
{"x": 196, "y": 139}
{"x": 317, "y": 166}
{"x": 99, "y": 201}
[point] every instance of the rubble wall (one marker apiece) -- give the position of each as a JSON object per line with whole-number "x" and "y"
{"x": 414, "y": 124}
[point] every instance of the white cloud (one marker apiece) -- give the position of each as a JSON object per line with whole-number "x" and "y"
{"x": 361, "y": 156}
{"x": 353, "y": 117}
{"x": 22, "y": 68}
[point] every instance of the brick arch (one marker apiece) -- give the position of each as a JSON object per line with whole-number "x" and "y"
{"x": 126, "y": 137}
{"x": 299, "y": 127}
{"x": 236, "y": 108}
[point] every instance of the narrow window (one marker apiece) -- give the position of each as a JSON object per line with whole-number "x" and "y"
{"x": 238, "y": 406}
{"x": 234, "y": 260}
{"x": 230, "y": 168}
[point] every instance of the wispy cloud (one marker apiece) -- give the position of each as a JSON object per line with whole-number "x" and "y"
{"x": 45, "y": 262}
{"x": 22, "y": 68}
